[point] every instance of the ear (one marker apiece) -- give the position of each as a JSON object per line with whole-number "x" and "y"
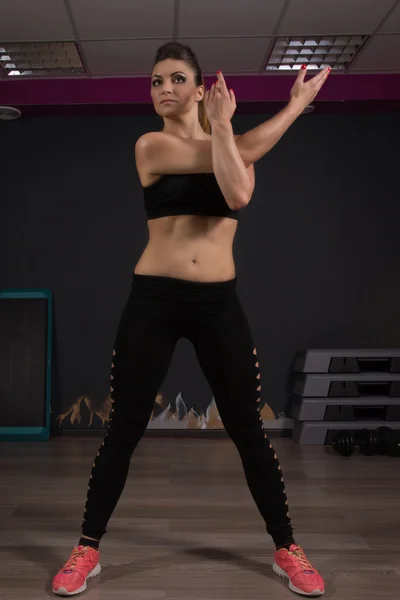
{"x": 200, "y": 93}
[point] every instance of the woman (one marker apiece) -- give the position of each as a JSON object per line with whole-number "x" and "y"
{"x": 184, "y": 285}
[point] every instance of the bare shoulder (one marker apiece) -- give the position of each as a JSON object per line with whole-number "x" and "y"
{"x": 164, "y": 137}
{"x": 160, "y": 153}
{"x": 153, "y": 139}
{"x": 145, "y": 147}
{"x": 148, "y": 141}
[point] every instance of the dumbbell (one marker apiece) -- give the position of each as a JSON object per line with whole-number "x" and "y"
{"x": 382, "y": 440}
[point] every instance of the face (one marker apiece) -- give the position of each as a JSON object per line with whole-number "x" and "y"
{"x": 173, "y": 89}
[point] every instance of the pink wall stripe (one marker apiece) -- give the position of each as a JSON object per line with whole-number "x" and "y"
{"x": 254, "y": 88}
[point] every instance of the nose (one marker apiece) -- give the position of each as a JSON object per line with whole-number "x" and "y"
{"x": 165, "y": 93}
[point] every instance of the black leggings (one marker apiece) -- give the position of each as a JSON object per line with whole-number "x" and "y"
{"x": 159, "y": 311}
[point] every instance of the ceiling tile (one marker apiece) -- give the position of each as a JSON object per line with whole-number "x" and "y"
{"x": 34, "y": 21}
{"x": 392, "y": 25}
{"x": 121, "y": 57}
{"x": 230, "y": 55}
{"x": 382, "y": 53}
{"x": 222, "y": 18}
{"x": 137, "y": 56}
{"x": 305, "y": 17}
{"x": 103, "y": 19}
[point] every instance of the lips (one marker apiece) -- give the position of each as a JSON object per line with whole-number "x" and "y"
{"x": 165, "y": 101}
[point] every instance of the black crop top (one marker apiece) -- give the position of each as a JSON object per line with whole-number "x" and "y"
{"x": 191, "y": 194}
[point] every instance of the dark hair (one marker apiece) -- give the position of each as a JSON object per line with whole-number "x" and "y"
{"x": 178, "y": 51}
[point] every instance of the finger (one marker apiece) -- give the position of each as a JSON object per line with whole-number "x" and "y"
{"x": 222, "y": 83}
{"x": 212, "y": 92}
{"x": 322, "y": 81}
{"x": 327, "y": 71}
{"x": 320, "y": 77}
{"x": 218, "y": 86}
{"x": 232, "y": 95}
{"x": 215, "y": 91}
{"x": 319, "y": 83}
{"x": 302, "y": 73}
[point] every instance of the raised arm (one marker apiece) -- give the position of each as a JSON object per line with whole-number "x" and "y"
{"x": 162, "y": 153}
{"x": 257, "y": 142}
{"x": 236, "y": 181}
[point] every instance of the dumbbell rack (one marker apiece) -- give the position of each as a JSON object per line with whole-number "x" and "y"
{"x": 344, "y": 389}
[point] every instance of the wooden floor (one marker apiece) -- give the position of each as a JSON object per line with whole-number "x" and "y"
{"x": 186, "y": 527}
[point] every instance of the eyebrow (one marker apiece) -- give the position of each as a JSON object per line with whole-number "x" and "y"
{"x": 176, "y": 72}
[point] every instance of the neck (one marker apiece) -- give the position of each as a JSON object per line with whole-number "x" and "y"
{"x": 191, "y": 130}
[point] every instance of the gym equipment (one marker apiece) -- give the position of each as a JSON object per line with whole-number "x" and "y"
{"x": 336, "y": 390}
{"x": 382, "y": 441}
{"x": 25, "y": 365}
{"x": 348, "y": 361}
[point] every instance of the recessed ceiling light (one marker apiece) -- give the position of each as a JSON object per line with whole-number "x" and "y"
{"x": 317, "y": 52}
{"x": 53, "y": 58}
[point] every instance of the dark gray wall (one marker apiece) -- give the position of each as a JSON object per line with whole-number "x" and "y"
{"x": 317, "y": 251}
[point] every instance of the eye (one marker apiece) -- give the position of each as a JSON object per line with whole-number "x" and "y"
{"x": 181, "y": 78}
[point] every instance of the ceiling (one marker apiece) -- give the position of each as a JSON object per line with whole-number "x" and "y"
{"x": 118, "y": 38}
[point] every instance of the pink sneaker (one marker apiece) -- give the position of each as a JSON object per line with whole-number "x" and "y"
{"x": 81, "y": 565}
{"x": 292, "y": 564}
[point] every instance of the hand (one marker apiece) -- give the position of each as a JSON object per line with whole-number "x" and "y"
{"x": 304, "y": 92}
{"x": 219, "y": 102}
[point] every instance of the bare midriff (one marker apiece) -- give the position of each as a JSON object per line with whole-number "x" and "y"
{"x": 195, "y": 248}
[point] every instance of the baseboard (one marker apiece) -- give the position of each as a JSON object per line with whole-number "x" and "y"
{"x": 173, "y": 433}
